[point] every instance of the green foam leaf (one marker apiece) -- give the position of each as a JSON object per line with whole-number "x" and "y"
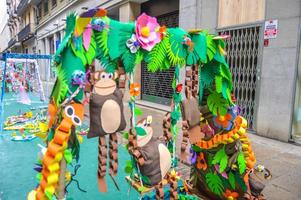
{"x": 215, "y": 183}
{"x": 241, "y": 163}
{"x": 217, "y": 104}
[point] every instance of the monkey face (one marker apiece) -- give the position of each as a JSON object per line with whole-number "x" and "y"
{"x": 143, "y": 139}
{"x": 104, "y": 83}
{"x": 75, "y": 113}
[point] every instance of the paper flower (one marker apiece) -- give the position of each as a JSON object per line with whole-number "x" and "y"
{"x": 78, "y": 78}
{"x": 135, "y": 89}
{"x": 226, "y": 122}
{"x": 162, "y": 31}
{"x": 147, "y": 31}
{"x": 223, "y": 122}
{"x": 201, "y": 162}
{"x": 98, "y": 24}
{"x": 187, "y": 41}
{"x": 179, "y": 88}
{"x": 193, "y": 156}
{"x": 231, "y": 195}
{"x": 175, "y": 175}
{"x": 133, "y": 44}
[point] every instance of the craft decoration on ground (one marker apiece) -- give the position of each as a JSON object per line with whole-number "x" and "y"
{"x": 106, "y": 118}
{"x": 22, "y": 76}
{"x": 222, "y": 155}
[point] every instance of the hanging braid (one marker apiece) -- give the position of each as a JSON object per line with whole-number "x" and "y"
{"x": 102, "y": 157}
{"x": 166, "y": 127}
{"x": 113, "y": 152}
{"x": 159, "y": 191}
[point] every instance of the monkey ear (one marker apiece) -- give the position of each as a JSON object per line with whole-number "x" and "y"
{"x": 116, "y": 75}
{"x": 96, "y": 75}
{"x": 149, "y": 119}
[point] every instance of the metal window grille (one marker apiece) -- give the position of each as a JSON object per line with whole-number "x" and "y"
{"x": 243, "y": 53}
{"x": 156, "y": 87}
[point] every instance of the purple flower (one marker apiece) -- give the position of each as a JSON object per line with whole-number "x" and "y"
{"x": 193, "y": 156}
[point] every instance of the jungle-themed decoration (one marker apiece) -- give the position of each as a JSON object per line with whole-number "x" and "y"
{"x": 222, "y": 158}
{"x": 106, "y": 118}
{"x": 152, "y": 156}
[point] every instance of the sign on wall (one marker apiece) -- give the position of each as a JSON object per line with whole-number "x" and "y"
{"x": 270, "y": 29}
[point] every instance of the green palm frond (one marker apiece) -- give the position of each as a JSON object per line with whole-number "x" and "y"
{"x": 60, "y": 88}
{"x": 157, "y": 56}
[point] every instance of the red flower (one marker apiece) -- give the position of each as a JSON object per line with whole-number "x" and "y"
{"x": 179, "y": 88}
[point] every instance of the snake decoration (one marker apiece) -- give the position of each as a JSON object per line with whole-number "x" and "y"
{"x": 92, "y": 35}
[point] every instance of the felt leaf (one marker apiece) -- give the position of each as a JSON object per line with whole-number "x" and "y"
{"x": 156, "y": 58}
{"x": 68, "y": 156}
{"x": 138, "y": 111}
{"x": 142, "y": 189}
{"x": 240, "y": 182}
{"x": 125, "y": 135}
{"x": 39, "y": 177}
{"x": 128, "y": 167}
{"x": 81, "y": 23}
{"x": 140, "y": 131}
{"x": 220, "y": 58}
{"x": 219, "y": 156}
{"x": 196, "y": 148}
{"x": 70, "y": 25}
{"x": 87, "y": 37}
{"x": 118, "y": 35}
{"x": 231, "y": 179}
{"x": 241, "y": 163}
{"x": 177, "y": 97}
{"x": 211, "y": 47}
{"x": 175, "y": 115}
{"x": 217, "y": 104}
{"x": 200, "y": 46}
{"x": 223, "y": 163}
{"x": 176, "y": 40}
{"x": 218, "y": 84}
{"x": 128, "y": 60}
{"x": 60, "y": 87}
{"x": 214, "y": 183}
{"x": 90, "y": 54}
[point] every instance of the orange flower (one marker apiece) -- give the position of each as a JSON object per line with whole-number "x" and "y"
{"x": 162, "y": 31}
{"x": 231, "y": 195}
{"x": 201, "y": 162}
{"x": 135, "y": 89}
{"x": 224, "y": 122}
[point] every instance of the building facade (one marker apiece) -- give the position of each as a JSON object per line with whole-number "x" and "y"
{"x": 265, "y": 72}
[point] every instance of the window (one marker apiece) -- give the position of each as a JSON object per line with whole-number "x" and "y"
{"x": 39, "y": 12}
{"x": 53, "y": 3}
{"x": 45, "y": 7}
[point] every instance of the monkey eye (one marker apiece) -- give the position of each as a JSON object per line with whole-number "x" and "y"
{"x": 69, "y": 111}
{"x": 103, "y": 75}
{"x": 110, "y": 75}
{"x": 145, "y": 124}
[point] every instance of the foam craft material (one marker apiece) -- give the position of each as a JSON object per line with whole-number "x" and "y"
{"x": 223, "y": 175}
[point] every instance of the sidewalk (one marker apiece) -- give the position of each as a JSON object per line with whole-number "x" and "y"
{"x": 282, "y": 159}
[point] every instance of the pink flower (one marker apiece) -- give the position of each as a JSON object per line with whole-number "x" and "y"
{"x": 147, "y": 31}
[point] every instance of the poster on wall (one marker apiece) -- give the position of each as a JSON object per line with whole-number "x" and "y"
{"x": 270, "y": 29}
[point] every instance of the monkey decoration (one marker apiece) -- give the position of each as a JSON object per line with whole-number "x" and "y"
{"x": 106, "y": 118}
{"x": 154, "y": 158}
